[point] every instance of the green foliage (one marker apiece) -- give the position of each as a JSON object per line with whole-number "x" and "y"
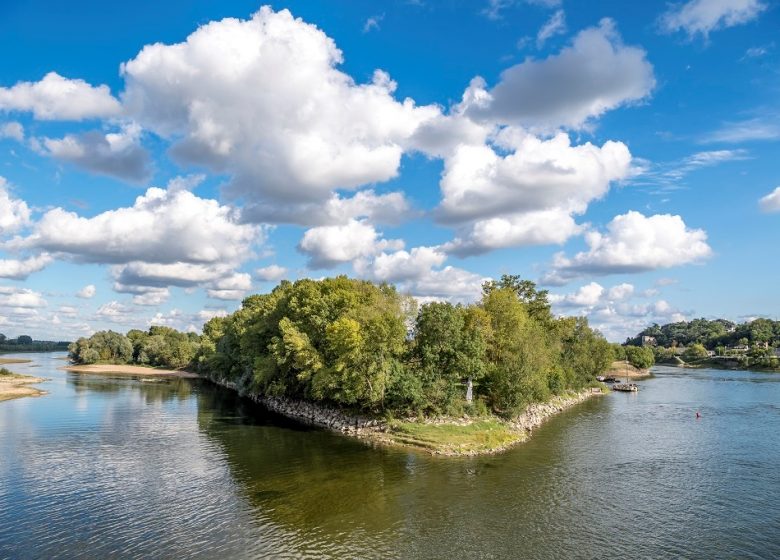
{"x": 160, "y": 346}
{"x": 694, "y": 352}
{"x": 642, "y": 358}
{"x": 355, "y": 344}
{"x": 103, "y": 346}
{"x": 712, "y": 334}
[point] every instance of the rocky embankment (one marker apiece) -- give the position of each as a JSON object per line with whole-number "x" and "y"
{"x": 537, "y": 413}
{"x": 312, "y": 414}
{"x": 377, "y": 430}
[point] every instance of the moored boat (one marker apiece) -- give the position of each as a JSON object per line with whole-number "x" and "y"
{"x": 626, "y": 387}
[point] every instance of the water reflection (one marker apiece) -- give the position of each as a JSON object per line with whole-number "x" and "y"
{"x": 118, "y": 467}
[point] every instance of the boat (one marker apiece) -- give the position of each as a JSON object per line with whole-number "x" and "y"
{"x": 626, "y": 387}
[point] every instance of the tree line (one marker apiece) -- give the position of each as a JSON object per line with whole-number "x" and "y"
{"x": 25, "y": 343}
{"x": 712, "y": 334}
{"x": 159, "y": 346}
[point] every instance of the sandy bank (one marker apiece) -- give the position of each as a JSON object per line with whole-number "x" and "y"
{"x": 14, "y": 386}
{"x": 623, "y": 370}
{"x": 4, "y": 361}
{"x": 123, "y": 369}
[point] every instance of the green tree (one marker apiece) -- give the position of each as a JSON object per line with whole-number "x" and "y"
{"x": 642, "y": 358}
{"x": 694, "y": 352}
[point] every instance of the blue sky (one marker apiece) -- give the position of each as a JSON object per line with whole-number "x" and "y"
{"x": 160, "y": 161}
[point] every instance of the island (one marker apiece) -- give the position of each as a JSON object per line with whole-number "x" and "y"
{"x": 365, "y": 360}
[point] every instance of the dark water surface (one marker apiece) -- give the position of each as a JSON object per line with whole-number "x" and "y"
{"x": 120, "y": 468}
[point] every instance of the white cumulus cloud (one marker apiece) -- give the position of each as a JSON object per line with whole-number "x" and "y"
{"x": 87, "y": 291}
{"x": 703, "y": 16}
{"x": 20, "y": 269}
{"x": 328, "y": 246}
{"x": 58, "y": 98}
{"x": 271, "y": 273}
{"x": 320, "y": 129}
{"x": 632, "y": 243}
{"x": 12, "y": 130}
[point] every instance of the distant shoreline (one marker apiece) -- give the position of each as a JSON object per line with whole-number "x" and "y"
{"x": 4, "y": 361}
{"x": 124, "y": 369}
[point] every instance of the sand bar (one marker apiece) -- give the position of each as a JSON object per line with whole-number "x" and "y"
{"x": 124, "y": 369}
{"x": 14, "y": 386}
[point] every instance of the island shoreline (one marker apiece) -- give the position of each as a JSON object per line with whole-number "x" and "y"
{"x": 377, "y": 431}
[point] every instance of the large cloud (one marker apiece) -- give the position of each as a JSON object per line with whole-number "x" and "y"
{"x": 593, "y": 75}
{"x": 167, "y": 238}
{"x": 166, "y": 226}
{"x": 263, "y": 100}
{"x": 58, "y": 98}
{"x": 633, "y": 243}
{"x": 704, "y": 16}
{"x": 20, "y": 298}
{"x": 535, "y": 175}
{"x": 524, "y": 190}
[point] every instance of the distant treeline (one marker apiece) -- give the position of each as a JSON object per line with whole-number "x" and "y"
{"x": 366, "y": 347}
{"x": 712, "y": 334}
{"x": 25, "y": 343}
{"x": 159, "y": 346}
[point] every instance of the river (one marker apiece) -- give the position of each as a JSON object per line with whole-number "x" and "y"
{"x": 115, "y": 467}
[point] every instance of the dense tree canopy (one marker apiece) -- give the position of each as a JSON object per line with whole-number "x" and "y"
{"x": 364, "y": 346}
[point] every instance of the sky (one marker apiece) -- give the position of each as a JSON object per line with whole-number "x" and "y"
{"x": 160, "y": 161}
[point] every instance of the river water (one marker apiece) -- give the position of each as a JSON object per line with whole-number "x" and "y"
{"x": 115, "y": 467}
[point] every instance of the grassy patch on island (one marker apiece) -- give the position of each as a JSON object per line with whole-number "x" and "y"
{"x": 454, "y": 439}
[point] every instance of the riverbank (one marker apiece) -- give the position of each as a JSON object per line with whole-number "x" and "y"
{"x": 15, "y": 385}
{"x": 465, "y": 436}
{"x": 483, "y": 435}
{"x": 124, "y": 369}
{"x": 622, "y": 369}
{"x": 5, "y": 361}
{"x": 721, "y": 363}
